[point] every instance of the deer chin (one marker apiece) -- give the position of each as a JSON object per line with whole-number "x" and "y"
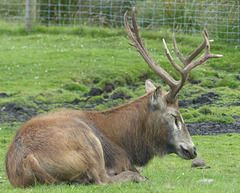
{"x": 186, "y": 152}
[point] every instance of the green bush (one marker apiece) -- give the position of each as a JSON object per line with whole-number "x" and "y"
{"x": 205, "y": 110}
{"x": 76, "y": 87}
{"x": 104, "y": 13}
{"x": 103, "y": 82}
{"x": 122, "y": 90}
{"x": 96, "y": 99}
{"x": 228, "y": 82}
{"x": 196, "y": 113}
{"x": 208, "y": 83}
{"x": 187, "y": 116}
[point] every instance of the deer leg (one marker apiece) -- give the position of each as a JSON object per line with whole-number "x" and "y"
{"x": 93, "y": 176}
{"x": 99, "y": 177}
{"x": 36, "y": 173}
{"x": 129, "y": 176}
{"x": 95, "y": 172}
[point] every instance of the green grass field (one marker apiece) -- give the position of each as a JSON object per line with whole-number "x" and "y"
{"x": 170, "y": 174}
{"x": 51, "y": 69}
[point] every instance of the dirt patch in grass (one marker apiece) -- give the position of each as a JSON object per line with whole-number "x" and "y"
{"x": 12, "y": 114}
{"x": 204, "y": 99}
{"x": 213, "y": 128}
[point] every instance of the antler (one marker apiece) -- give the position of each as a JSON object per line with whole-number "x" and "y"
{"x": 188, "y": 62}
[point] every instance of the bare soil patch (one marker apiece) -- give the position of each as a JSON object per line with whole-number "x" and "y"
{"x": 11, "y": 114}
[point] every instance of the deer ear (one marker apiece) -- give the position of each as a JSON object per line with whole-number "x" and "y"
{"x": 157, "y": 99}
{"x": 149, "y": 86}
{"x": 158, "y": 93}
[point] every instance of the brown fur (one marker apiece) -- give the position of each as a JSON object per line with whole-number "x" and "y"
{"x": 87, "y": 147}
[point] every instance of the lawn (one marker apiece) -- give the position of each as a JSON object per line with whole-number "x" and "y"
{"x": 48, "y": 70}
{"x": 170, "y": 174}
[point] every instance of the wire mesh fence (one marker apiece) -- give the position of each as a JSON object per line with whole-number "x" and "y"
{"x": 219, "y": 17}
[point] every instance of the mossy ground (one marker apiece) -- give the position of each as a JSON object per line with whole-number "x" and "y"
{"x": 59, "y": 68}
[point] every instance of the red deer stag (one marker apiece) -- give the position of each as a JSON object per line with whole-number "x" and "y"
{"x": 104, "y": 147}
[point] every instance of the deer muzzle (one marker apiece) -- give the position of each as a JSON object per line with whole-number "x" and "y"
{"x": 186, "y": 151}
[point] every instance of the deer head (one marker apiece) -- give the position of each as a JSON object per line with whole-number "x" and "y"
{"x": 164, "y": 104}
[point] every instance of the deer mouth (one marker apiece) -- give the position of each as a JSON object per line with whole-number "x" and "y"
{"x": 188, "y": 154}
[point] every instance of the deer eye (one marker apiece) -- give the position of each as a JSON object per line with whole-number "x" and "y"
{"x": 176, "y": 120}
{"x": 174, "y": 116}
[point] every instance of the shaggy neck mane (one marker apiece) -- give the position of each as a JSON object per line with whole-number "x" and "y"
{"x": 127, "y": 126}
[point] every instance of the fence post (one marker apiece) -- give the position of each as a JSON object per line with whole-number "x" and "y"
{"x": 30, "y": 14}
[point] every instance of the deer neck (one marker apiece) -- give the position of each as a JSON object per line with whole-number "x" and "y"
{"x": 127, "y": 126}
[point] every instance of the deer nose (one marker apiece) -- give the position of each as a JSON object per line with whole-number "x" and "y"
{"x": 190, "y": 152}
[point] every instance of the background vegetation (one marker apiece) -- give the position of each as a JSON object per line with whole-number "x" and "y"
{"x": 220, "y": 17}
{"x": 50, "y": 68}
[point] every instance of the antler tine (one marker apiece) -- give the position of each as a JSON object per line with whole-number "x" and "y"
{"x": 175, "y": 65}
{"x": 138, "y": 39}
{"x": 205, "y": 35}
{"x": 181, "y": 58}
{"x": 189, "y": 65}
{"x": 203, "y": 57}
{"x": 138, "y": 43}
{"x": 189, "y": 59}
{"x": 136, "y": 29}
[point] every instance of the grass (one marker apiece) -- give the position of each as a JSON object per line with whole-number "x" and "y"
{"x": 170, "y": 174}
{"x": 47, "y": 70}
{"x": 48, "y": 67}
